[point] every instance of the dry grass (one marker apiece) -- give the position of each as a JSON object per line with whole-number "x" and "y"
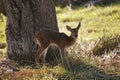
{"x": 104, "y": 56}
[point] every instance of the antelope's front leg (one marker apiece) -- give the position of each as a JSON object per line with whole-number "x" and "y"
{"x": 66, "y": 59}
{"x": 62, "y": 57}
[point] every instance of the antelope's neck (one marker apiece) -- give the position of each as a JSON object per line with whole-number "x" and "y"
{"x": 71, "y": 40}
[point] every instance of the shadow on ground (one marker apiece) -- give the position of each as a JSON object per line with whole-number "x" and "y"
{"x": 84, "y": 71}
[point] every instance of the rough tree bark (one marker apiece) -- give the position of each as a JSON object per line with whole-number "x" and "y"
{"x": 24, "y": 19}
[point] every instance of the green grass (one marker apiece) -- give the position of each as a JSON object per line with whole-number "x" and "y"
{"x": 2, "y": 28}
{"x": 2, "y": 34}
{"x": 96, "y": 22}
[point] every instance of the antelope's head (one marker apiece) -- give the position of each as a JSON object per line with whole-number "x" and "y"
{"x": 74, "y": 31}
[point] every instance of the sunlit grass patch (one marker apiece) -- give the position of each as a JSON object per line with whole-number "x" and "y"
{"x": 2, "y": 53}
{"x": 96, "y": 22}
{"x": 2, "y": 28}
{"x": 43, "y": 73}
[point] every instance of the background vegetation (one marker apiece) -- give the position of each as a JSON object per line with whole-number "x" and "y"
{"x": 96, "y": 54}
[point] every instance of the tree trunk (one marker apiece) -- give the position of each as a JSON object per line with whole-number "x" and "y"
{"x": 24, "y": 19}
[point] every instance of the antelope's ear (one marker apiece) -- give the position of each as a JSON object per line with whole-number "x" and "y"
{"x": 79, "y": 25}
{"x": 68, "y": 28}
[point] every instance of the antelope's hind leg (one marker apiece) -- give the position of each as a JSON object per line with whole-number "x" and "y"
{"x": 39, "y": 54}
{"x": 44, "y": 56}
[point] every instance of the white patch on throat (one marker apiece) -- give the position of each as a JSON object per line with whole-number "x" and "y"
{"x": 37, "y": 42}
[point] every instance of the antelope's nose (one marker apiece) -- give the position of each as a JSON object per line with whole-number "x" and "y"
{"x": 76, "y": 35}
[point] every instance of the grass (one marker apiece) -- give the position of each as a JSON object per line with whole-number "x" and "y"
{"x": 98, "y": 23}
{"x": 2, "y": 32}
